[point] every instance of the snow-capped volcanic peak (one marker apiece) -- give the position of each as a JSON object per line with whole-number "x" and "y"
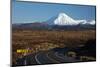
{"x": 64, "y": 19}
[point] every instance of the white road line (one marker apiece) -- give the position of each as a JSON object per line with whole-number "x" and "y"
{"x": 51, "y": 58}
{"x": 56, "y": 53}
{"x": 62, "y": 57}
{"x": 36, "y": 58}
{"x": 25, "y": 63}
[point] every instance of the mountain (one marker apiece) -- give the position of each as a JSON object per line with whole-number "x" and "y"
{"x": 64, "y": 19}
{"x": 33, "y": 26}
{"x": 92, "y": 22}
{"x": 58, "y": 22}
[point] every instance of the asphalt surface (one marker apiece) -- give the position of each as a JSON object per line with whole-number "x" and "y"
{"x": 45, "y": 57}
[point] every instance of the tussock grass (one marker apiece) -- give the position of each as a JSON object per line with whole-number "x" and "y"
{"x": 45, "y": 40}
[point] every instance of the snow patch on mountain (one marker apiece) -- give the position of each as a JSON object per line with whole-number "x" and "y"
{"x": 92, "y": 22}
{"x": 64, "y": 19}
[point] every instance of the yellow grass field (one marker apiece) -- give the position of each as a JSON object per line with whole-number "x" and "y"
{"x": 37, "y": 41}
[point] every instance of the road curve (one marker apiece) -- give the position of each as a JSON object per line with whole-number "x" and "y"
{"x": 42, "y": 58}
{"x": 67, "y": 59}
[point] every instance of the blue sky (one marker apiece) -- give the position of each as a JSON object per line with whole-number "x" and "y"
{"x": 27, "y": 12}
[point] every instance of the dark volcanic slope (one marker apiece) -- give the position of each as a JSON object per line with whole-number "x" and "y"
{"x": 45, "y": 26}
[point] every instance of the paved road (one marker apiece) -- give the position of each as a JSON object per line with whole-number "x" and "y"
{"x": 47, "y": 57}
{"x": 65, "y": 58}
{"x": 43, "y": 58}
{"x": 26, "y": 60}
{"x": 60, "y": 57}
